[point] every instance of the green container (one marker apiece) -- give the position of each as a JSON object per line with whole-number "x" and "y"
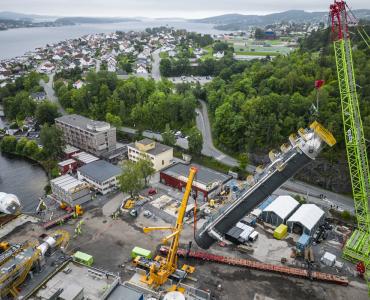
{"x": 137, "y": 251}
{"x": 83, "y": 258}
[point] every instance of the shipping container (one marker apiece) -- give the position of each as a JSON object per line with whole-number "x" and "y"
{"x": 303, "y": 242}
{"x": 83, "y": 258}
{"x": 137, "y": 251}
{"x": 280, "y": 232}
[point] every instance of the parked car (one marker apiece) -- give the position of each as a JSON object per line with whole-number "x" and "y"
{"x": 152, "y": 192}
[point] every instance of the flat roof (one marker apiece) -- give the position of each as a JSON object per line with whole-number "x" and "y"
{"x": 70, "y": 149}
{"x": 100, "y": 170}
{"x": 81, "y": 122}
{"x": 204, "y": 175}
{"x": 81, "y": 276}
{"x": 85, "y": 157}
{"x": 158, "y": 149}
{"x": 66, "y": 182}
{"x": 308, "y": 215}
{"x": 146, "y": 141}
{"x": 122, "y": 292}
{"x": 66, "y": 162}
{"x": 282, "y": 206}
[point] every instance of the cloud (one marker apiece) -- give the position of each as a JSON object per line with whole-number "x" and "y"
{"x": 164, "y": 8}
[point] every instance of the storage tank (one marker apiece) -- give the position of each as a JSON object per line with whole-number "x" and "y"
{"x": 304, "y": 149}
{"x": 9, "y": 204}
{"x": 174, "y": 296}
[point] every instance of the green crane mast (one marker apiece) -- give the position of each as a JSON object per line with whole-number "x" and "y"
{"x": 357, "y": 247}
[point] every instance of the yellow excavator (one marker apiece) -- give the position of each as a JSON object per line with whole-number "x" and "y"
{"x": 163, "y": 267}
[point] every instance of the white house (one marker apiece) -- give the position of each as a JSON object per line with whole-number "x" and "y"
{"x": 46, "y": 68}
{"x": 78, "y": 84}
{"x": 219, "y": 55}
{"x": 112, "y": 64}
{"x": 141, "y": 70}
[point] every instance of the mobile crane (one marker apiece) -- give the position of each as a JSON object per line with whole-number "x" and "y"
{"x": 163, "y": 267}
{"x": 357, "y": 247}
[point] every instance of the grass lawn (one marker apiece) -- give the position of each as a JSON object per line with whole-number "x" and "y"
{"x": 257, "y": 53}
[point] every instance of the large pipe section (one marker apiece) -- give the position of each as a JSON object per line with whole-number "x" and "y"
{"x": 302, "y": 149}
{"x": 9, "y": 204}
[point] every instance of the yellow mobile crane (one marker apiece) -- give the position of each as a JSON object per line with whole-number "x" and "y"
{"x": 163, "y": 267}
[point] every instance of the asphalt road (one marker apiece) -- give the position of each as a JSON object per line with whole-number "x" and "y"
{"x": 312, "y": 193}
{"x": 156, "y": 74}
{"x": 50, "y": 93}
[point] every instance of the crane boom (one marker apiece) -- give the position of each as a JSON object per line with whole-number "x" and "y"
{"x": 162, "y": 268}
{"x": 358, "y": 246}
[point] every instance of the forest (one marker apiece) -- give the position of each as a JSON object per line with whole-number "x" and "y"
{"x": 135, "y": 102}
{"x": 257, "y": 110}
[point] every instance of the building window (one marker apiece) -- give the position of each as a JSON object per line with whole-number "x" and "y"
{"x": 162, "y": 162}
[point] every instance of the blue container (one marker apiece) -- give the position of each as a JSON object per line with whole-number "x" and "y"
{"x": 303, "y": 242}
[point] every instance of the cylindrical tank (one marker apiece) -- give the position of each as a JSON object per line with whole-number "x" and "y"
{"x": 9, "y": 204}
{"x": 174, "y": 296}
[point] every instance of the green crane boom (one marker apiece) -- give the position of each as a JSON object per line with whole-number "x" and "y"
{"x": 357, "y": 247}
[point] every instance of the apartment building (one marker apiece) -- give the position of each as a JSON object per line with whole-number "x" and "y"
{"x": 160, "y": 155}
{"x": 92, "y": 136}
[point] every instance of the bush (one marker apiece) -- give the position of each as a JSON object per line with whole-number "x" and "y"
{"x": 346, "y": 215}
{"x": 8, "y": 144}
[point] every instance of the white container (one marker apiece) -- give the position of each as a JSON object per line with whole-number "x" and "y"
{"x": 328, "y": 259}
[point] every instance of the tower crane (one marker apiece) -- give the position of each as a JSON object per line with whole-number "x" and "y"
{"x": 163, "y": 267}
{"x": 357, "y": 247}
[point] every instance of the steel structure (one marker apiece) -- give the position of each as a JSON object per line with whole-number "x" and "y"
{"x": 357, "y": 247}
{"x": 303, "y": 149}
{"x": 162, "y": 268}
{"x": 256, "y": 265}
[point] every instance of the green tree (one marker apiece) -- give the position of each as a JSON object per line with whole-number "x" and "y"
{"x": 52, "y": 140}
{"x": 243, "y": 161}
{"x": 31, "y": 149}
{"x": 195, "y": 141}
{"x": 131, "y": 180}
{"x": 146, "y": 169}
{"x": 8, "y": 144}
{"x": 166, "y": 67}
{"x": 113, "y": 120}
{"x": 20, "y": 145}
{"x": 46, "y": 112}
{"x": 168, "y": 136}
{"x": 259, "y": 34}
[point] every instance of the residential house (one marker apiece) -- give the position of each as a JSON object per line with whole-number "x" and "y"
{"x": 40, "y": 96}
{"x": 78, "y": 84}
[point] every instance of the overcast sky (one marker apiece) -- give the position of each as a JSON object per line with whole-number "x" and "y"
{"x": 165, "y": 8}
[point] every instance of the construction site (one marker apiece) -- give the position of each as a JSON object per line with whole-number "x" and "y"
{"x": 195, "y": 233}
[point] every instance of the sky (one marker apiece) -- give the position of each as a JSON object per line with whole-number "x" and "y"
{"x": 165, "y": 8}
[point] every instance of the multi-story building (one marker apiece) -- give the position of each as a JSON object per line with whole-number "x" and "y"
{"x": 70, "y": 190}
{"x": 92, "y": 136}
{"x": 100, "y": 174}
{"x": 160, "y": 155}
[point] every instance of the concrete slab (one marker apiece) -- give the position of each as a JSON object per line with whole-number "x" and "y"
{"x": 19, "y": 221}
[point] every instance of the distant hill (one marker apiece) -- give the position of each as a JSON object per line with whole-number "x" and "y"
{"x": 91, "y": 20}
{"x": 239, "y": 21}
{"x": 8, "y": 15}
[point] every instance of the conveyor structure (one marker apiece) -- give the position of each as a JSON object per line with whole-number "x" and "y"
{"x": 302, "y": 149}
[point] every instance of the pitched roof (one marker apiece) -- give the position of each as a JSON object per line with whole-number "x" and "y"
{"x": 308, "y": 215}
{"x": 282, "y": 206}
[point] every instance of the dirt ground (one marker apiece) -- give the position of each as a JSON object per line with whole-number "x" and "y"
{"x": 111, "y": 241}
